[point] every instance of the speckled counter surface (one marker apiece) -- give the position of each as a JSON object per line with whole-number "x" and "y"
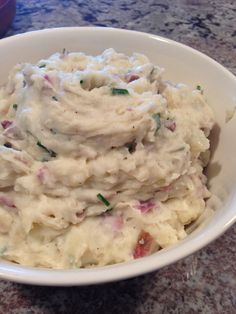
{"x": 202, "y": 283}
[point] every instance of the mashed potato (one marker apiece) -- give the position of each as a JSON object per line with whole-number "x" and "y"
{"x": 101, "y": 160}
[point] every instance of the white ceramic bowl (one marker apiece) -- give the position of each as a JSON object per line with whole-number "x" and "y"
{"x": 182, "y": 64}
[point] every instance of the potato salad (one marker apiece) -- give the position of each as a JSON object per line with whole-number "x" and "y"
{"x": 101, "y": 160}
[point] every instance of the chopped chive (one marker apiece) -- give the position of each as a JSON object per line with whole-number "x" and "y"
{"x": 53, "y": 131}
{"x": 157, "y": 118}
{"x": 53, "y": 154}
{"x": 103, "y": 199}
{"x": 3, "y": 250}
{"x": 119, "y": 91}
{"x": 44, "y": 160}
{"x": 15, "y": 106}
{"x": 64, "y": 51}
{"x": 109, "y": 209}
{"x": 177, "y": 150}
{"x": 8, "y": 145}
{"x": 43, "y": 65}
{"x": 54, "y": 98}
{"x": 199, "y": 88}
{"x": 152, "y": 71}
{"x": 81, "y": 81}
{"x": 49, "y": 151}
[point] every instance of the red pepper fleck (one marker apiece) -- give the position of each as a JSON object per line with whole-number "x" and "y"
{"x": 144, "y": 244}
{"x": 48, "y": 79}
{"x": 6, "y": 123}
{"x": 167, "y": 188}
{"x": 132, "y": 77}
{"x": 4, "y": 200}
{"x": 170, "y": 125}
{"x": 42, "y": 174}
{"x": 146, "y": 206}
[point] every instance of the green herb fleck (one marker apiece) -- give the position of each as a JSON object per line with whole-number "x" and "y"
{"x": 44, "y": 160}
{"x": 49, "y": 151}
{"x": 157, "y": 118}
{"x": 3, "y": 250}
{"x": 15, "y": 106}
{"x": 8, "y": 145}
{"x": 54, "y": 98}
{"x": 81, "y": 81}
{"x": 43, "y": 65}
{"x": 119, "y": 91}
{"x": 199, "y": 88}
{"x": 53, "y": 131}
{"x": 105, "y": 201}
{"x": 71, "y": 259}
{"x": 178, "y": 149}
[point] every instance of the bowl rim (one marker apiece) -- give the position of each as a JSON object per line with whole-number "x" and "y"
{"x": 76, "y": 277}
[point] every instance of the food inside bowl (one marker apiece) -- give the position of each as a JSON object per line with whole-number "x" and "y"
{"x": 101, "y": 160}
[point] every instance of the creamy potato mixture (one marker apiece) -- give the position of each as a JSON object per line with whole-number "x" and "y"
{"x": 101, "y": 161}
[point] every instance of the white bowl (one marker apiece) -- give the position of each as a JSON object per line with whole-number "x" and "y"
{"x": 182, "y": 64}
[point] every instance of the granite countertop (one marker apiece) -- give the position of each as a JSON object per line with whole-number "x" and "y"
{"x": 202, "y": 283}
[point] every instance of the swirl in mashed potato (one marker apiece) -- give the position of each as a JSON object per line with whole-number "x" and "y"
{"x": 100, "y": 160}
